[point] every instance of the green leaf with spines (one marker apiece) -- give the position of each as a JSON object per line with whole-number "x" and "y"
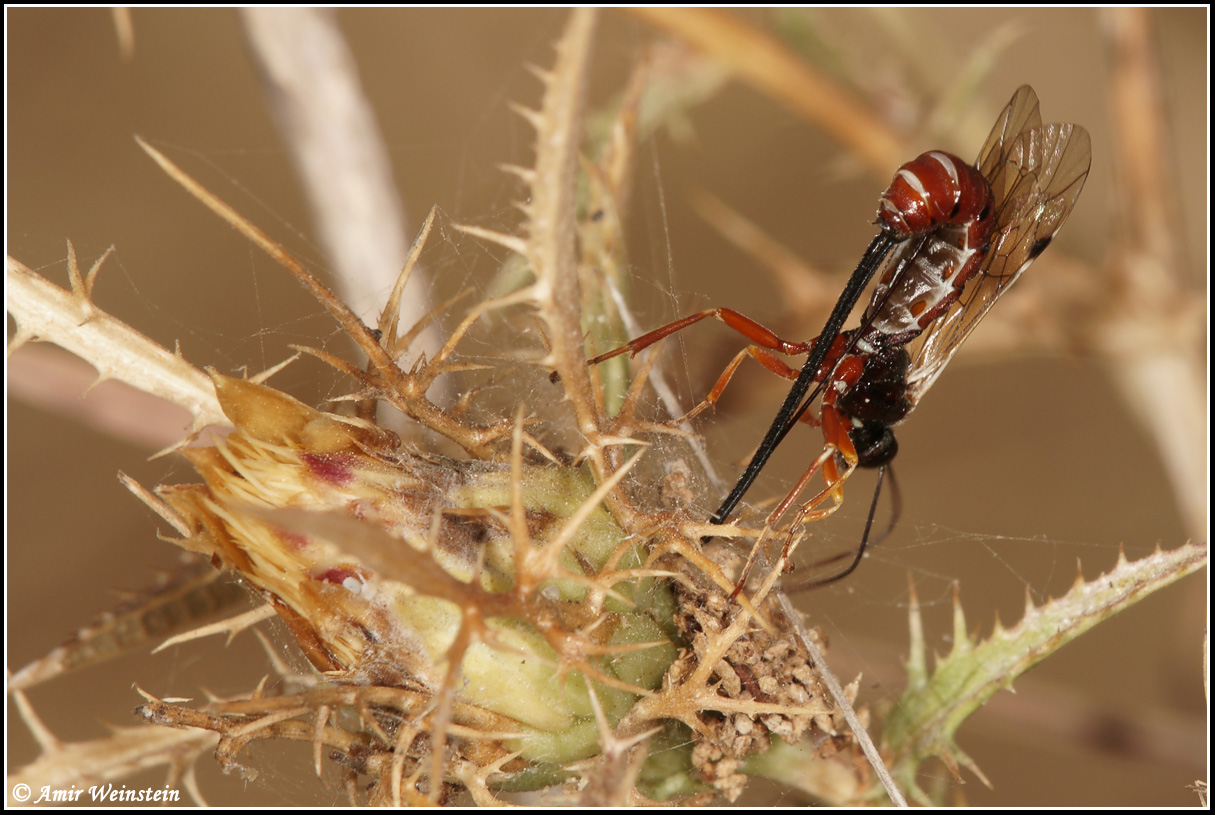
{"x": 923, "y": 722}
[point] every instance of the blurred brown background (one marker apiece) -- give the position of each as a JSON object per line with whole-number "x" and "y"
{"x": 1010, "y": 472}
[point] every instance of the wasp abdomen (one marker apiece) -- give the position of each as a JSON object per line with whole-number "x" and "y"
{"x": 932, "y": 190}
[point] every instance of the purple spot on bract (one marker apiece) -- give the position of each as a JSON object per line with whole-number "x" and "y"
{"x": 335, "y": 469}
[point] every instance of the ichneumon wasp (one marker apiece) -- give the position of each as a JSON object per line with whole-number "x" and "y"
{"x": 952, "y": 239}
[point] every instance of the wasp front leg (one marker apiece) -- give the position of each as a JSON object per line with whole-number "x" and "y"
{"x": 838, "y": 449}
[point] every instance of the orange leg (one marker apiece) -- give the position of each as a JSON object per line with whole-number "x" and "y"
{"x": 763, "y": 357}
{"x": 755, "y": 332}
{"x": 837, "y": 442}
{"x": 835, "y": 432}
{"x": 836, "y": 436}
{"x": 764, "y": 343}
{"x": 811, "y": 510}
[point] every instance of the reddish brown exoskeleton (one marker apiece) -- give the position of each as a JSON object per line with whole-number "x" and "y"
{"x": 953, "y": 239}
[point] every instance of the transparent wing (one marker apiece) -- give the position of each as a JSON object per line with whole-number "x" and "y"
{"x": 1019, "y": 115}
{"x": 1036, "y": 175}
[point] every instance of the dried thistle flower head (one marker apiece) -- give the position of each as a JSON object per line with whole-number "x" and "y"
{"x": 498, "y": 605}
